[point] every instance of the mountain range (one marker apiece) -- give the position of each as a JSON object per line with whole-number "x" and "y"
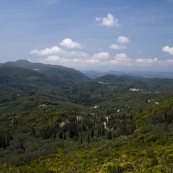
{"x": 57, "y": 119}
{"x": 147, "y": 74}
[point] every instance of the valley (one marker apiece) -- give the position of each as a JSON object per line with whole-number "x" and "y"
{"x": 57, "y": 119}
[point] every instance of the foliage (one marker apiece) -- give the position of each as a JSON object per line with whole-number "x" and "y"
{"x": 89, "y": 126}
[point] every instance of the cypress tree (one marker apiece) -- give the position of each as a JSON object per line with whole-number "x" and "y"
{"x": 109, "y": 137}
{"x": 107, "y": 111}
{"x": 21, "y": 145}
{"x": 83, "y": 127}
{"x": 103, "y": 130}
{"x": 3, "y": 142}
{"x": 81, "y": 141}
{"x": 54, "y": 135}
{"x": 60, "y": 135}
{"x": 166, "y": 115}
{"x": 99, "y": 131}
{"x": 33, "y": 132}
{"x": 124, "y": 128}
{"x": 166, "y": 126}
{"x": 155, "y": 117}
{"x": 88, "y": 138}
{"x": 64, "y": 137}
{"x": 71, "y": 133}
{"x": 92, "y": 133}
{"x": 7, "y": 143}
{"x": 0, "y": 141}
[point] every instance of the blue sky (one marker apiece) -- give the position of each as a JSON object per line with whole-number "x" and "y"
{"x": 102, "y": 35}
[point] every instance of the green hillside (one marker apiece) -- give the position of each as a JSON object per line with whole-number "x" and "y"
{"x": 146, "y": 148}
{"x": 53, "y": 122}
{"x": 40, "y": 74}
{"x": 25, "y": 78}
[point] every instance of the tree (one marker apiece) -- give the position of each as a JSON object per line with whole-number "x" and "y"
{"x": 109, "y": 137}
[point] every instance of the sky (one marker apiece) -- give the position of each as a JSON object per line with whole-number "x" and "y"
{"x": 101, "y": 35}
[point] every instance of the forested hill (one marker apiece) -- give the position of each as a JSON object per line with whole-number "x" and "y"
{"x": 55, "y": 119}
{"x": 30, "y": 74}
{"x": 25, "y": 86}
{"x": 162, "y": 84}
{"x": 30, "y": 65}
{"x": 68, "y": 142}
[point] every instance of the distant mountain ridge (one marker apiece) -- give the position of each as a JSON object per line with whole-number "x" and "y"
{"x": 147, "y": 74}
{"x": 30, "y": 65}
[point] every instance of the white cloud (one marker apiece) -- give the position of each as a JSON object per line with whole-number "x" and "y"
{"x": 147, "y": 61}
{"x": 169, "y": 61}
{"x": 92, "y": 61}
{"x": 81, "y": 60}
{"x": 47, "y": 51}
{"x": 78, "y": 60}
{"x": 123, "y": 39}
{"x": 53, "y": 58}
{"x": 78, "y": 54}
{"x": 109, "y": 21}
{"x": 115, "y": 46}
{"x": 120, "y": 55}
{"x": 168, "y": 49}
{"x": 57, "y": 51}
{"x": 121, "y": 59}
{"x": 74, "y": 54}
{"x": 101, "y": 56}
{"x": 98, "y": 19}
{"x": 67, "y": 42}
{"x": 65, "y": 61}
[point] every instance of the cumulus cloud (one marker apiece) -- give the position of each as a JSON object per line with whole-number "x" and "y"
{"x": 53, "y": 58}
{"x": 122, "y": 57}
{"x": 101, "y": 56}
{"x": 67, "y": 42}
{"x": 119, "y": 60}
{"x": 147, "y": 61}
{"x": 109, "y": 21}
{"x": 168, "y": 49}
{"x": 78, "y": 54}
{"x": 92, "y": 61}
{"x": 120, "y": 39}
{"x": 57, "y": 51}
{"x": 123, "y": 39}
{"x": 115, "y": 46}
{"x": 47, "y": 51}
{"x": 79, "y": 59}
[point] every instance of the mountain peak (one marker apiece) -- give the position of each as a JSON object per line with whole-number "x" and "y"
{"x": 18, "y": 63}
{"x": 22, "y": 61}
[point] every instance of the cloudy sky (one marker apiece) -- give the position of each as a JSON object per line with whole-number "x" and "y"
{"x": 102, "y": 35}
